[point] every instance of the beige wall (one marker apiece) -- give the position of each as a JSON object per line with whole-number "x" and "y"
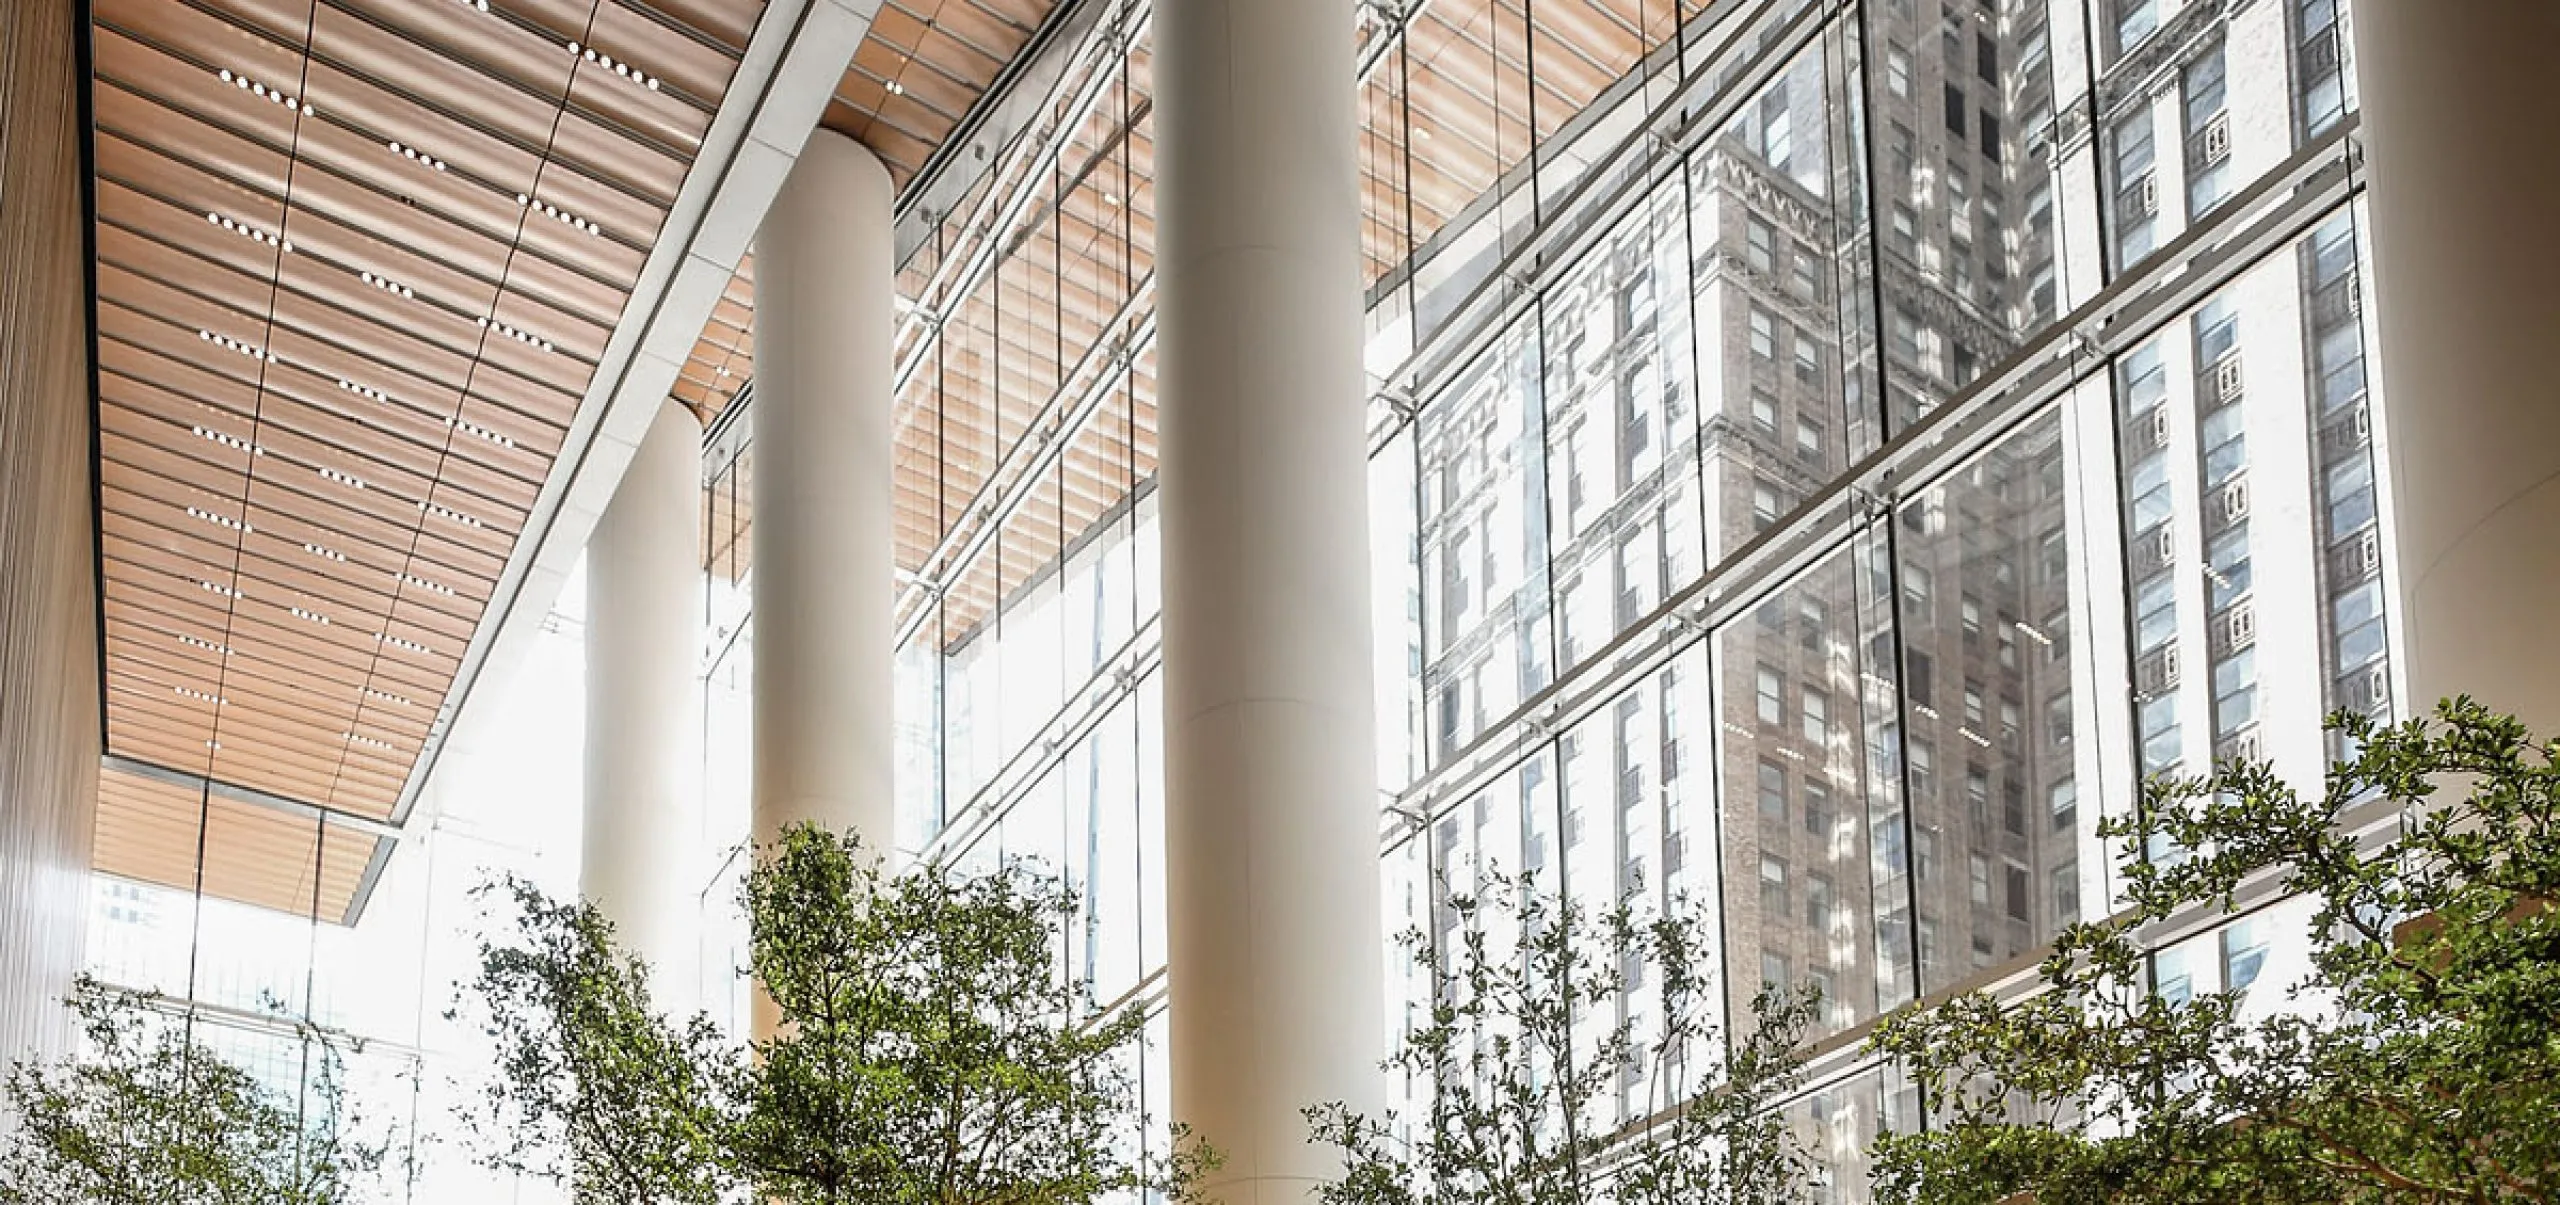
{"x": 48, "y": 611}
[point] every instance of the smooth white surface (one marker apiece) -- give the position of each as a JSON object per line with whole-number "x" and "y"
{"x": 644, "y": 704}
{"x": 2460, "y": 101}
{"x": 1271, "y": 819}
{"x": 821, "y": 539}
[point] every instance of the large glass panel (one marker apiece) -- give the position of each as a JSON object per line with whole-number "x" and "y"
{"x": 1486, "y": 627}
{"x": 1620, "y": 430}
{"x": 2250, "y": 487}
{"x": 1973, "y": 174}
{"x": 1816, "y": 859}
{"x": 1987, "y": 557}
{"x": 1776, "y": 214}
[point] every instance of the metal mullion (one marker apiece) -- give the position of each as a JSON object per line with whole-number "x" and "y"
{"x": 1068, "y": 410}
{"x": 990, "y": 249}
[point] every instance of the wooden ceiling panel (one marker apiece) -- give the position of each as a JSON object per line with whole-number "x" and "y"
{"x": 315, "y": 461}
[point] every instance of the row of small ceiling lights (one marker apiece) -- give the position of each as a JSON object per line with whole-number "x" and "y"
{"x": 405, "y": 292}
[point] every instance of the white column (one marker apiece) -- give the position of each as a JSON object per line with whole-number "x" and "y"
{"x": 825, "y": 284}
{"x": 2460, "y": 101}
{"x": 643, "y": 708}
{"x": 1271, "y": 825}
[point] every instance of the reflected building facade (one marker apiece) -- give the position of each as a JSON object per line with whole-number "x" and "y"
{"x": 1825, "y": 458}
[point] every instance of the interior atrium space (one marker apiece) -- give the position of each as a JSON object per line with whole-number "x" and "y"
{"x": 1286, "y": 471}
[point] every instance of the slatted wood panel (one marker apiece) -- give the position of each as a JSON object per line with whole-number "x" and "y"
{"x": 356, "y": 263}
{"x": 48, "y": 611}
{"x": 151, "y": 831}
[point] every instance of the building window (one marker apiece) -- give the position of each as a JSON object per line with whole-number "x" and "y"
{"x": 1760, "y": 245}
{"x": 1956, "y": 109}
{"x": 1773, "y": 793}
{"x": 2018, "y": 902}
{"x": 1978, "y": 878}
{"x": 1897, "y": 70}
{"x": 1770, "y": 696}
{"x": 1765, "y": 506}
{"x": 1817, "y": 716}
{"x": 1764, "y": 334}
{"x": 1818, "y": 817}
{"x": 2063, "y": 801}
{"x": 1773, "y": 886}
{"x": 1764, "y": 409}
{"x": 1817, "y": 902}
{"x": 1808, "y": 441}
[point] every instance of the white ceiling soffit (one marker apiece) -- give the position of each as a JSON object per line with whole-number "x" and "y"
{"x": 800, "y": 50}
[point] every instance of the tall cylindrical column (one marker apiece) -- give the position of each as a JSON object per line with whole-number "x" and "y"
{"x": 2459, "y": 105}
{"x": 825, "y": 286}
{"x": 643, "y": 709}
{"x": 1271, "y": 824}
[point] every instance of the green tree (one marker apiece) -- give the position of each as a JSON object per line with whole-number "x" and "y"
{"x": 148, "y": 1115}
{"x": 592, "y": 1085}
{"x": 1522, "y": 1052}
{"x": 2419, "y": 1060}
{"x": 931, "y": 1051}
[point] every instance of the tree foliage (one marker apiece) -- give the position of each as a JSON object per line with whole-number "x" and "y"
{"x": 148, "y": 1115}
{"x": 2419, "y": 1060}
{"x": 592, "y": 1085}
{"x": 931, "y": 1050}
{"x": 1521, "y": 1055}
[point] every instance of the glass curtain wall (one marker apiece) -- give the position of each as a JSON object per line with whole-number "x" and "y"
{"x": 1823, "y": 457}
{"x": 333, "y": 928}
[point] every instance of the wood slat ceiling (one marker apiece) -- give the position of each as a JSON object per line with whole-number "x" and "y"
{"x": 356, "y": 262}
{"x": 1460, "y": 83}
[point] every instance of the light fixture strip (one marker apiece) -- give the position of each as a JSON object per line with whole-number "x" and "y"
{"x": 448, "y": 514}
{"x": 200, "y": 695}
{"x": 414, "y": 155}
{"x": 431, "y": 587}
{"x": 247, "y": 231}
{"x": 220, "y": 650}
{"x": 388, "y": 285}
{"x": 260, "y": 89}
{"x": 251, "y": 350}
{"x": 468, "y": 427}
{"x": 563, "y": 216}
{"x": 348, "y": 480}
{"x": 609, "y": 63}
{"x": 529, "y": 340}
{"x": 233, "y": 442}
{"x": 410, "y": 646}
{"x": 309, "y": 615}
{"x": 365, "y": 391}
{"x": 324, "y": 552}
{"x": 220, "y": 520}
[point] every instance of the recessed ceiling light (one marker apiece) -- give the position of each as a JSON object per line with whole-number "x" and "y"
{"x": 347, "y": 480}
{"x": 324, "y": 553}
{"x": 388, "y": 697}
{"x": 251, "y": 350}
{"x": 470, "y": 428}
{"x": 312, "y": 616}
{"x": 220, "y": 650}
{"x": 522, "y": 337}
{"x": 258, "y": 89}
{"x": 199, "y": 695}
{"x": 370, "y": 741}
{"x": 362, "y": 390}
{"x": 223, "y": 590}
{"x": 388, "y": 285}
{"x": 220, "y": 520}
{"x": 247, "y": 231}
{"x": 428, "y": 586}
{"x": 897, "y": 89}
{"x": 563, "y": 216}
{"x": 606, "y": 61}
{"x": 449, "y": 514}
{"x": 414, "y": 155}
{"x": 411, "y": 646}
{"x": 233, "y": 442}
